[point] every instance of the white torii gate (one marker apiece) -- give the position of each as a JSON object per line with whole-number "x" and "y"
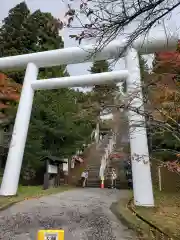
{"x": 143, "y": 192}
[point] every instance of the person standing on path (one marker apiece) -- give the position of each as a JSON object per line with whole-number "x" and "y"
{"x": 84, "y": 177}
{"x": 113, "y": 178}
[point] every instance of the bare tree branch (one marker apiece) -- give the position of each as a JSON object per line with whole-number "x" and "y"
{"x": 111, "y": 18}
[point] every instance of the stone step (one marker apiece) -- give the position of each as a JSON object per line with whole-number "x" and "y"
{"x": 91, "y": 164}
{"x": 94, "y": 182}
{"x": 92, "y": 186}
{"x": 93, "y": 172}
{"x": 93, "y": 179}
{"x": 118, "y": 186}
{"x": 93, "y": 169}
{"x": 94, "y": 176}
{"x": 95, "y": 161}
{"x": 94, "y": 166}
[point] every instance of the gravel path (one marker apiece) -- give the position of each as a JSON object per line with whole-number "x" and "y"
{"x": 82, "y": 213}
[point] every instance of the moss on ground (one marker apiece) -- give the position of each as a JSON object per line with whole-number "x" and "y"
{"x": 166, "y": 213}
{"x": 165, "y": 216}
{"x": 138, "y": 226}
{"x": 28, "y": 192}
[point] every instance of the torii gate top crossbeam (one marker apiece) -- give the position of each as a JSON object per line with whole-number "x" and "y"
{"x": 144, "y": 45}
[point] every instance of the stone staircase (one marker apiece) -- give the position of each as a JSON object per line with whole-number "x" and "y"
{"x": 93, "y": 159}
{"x": 122, "y": 143}
{"x": 118, "y": 164}
{"x": 121, "y": 182}
{"x": 93, "y": 179}
{"x": 95, "y": 163}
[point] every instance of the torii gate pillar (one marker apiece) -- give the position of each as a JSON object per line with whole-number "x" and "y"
{"x": 141, "y": 172}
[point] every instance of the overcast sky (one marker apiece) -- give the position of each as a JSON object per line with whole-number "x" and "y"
{"x": 57, "y": 8}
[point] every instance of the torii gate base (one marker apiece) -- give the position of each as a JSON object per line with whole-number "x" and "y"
{"x": 143, "y": 192}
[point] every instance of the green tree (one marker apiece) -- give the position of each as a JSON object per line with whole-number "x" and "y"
{"x": 23, "y": 32}
{"x": 58, "y": 126}
{"x": 144, "y": 69}
{"x": 100, "y": 66}
{"x": 13, "y": 32}
{"x": 102, "y": 95}
{"x": 162, "y": 140}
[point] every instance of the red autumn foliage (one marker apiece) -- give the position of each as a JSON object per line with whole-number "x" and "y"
{"x": 165, "y": 94}
{"x": 9, "y": 90}
{"x": 9, "y": 93}
{"x": 167, "y": 62}
{"x": 173, "y": 166}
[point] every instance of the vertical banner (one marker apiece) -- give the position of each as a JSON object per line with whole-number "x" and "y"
{"x": 65, "y": 165}
{"x": 72, "y": 162}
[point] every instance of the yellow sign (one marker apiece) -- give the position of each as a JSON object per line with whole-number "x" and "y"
{"x": 50, "y": 235}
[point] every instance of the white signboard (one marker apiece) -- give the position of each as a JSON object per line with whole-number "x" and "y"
{"x": 52, "y": 169}
{"x": 65, "y": 165}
